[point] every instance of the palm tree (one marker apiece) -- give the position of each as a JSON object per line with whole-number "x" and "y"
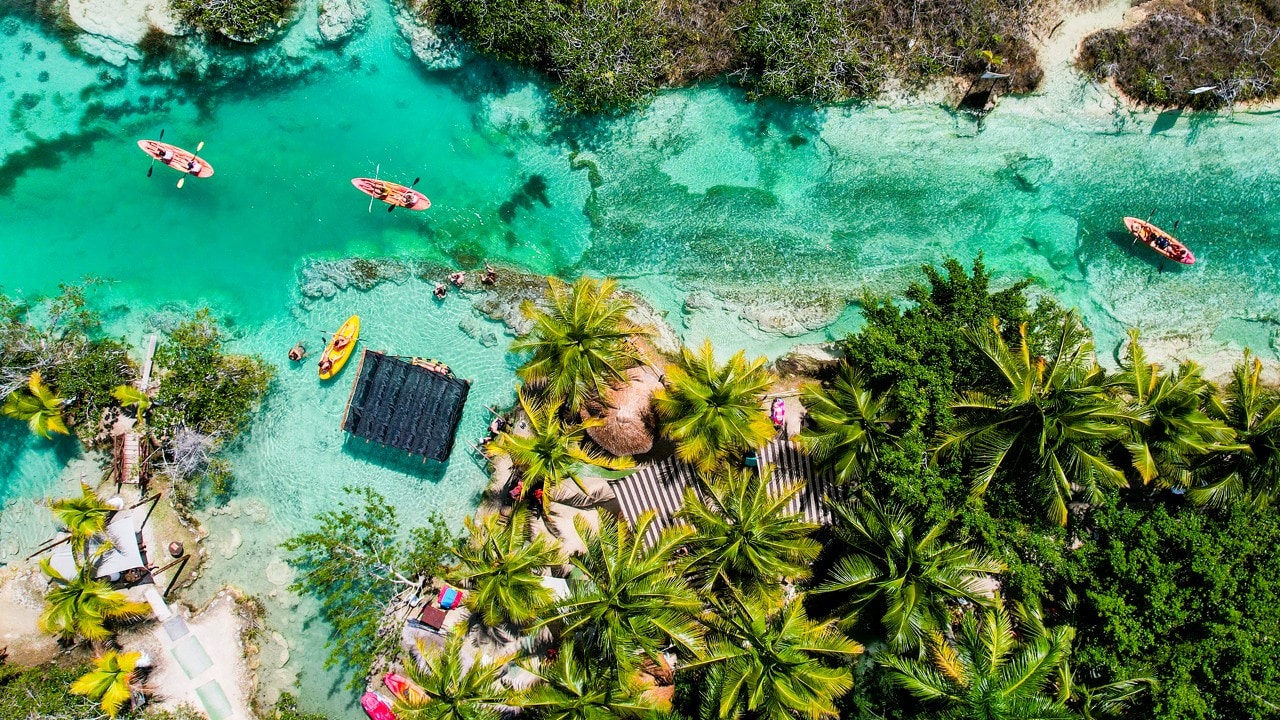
{"x": 85, "y": 518}
{"x": 712, "y": 410}
{"x": 630, "y": 600}
{"x": 573, "y": 690}
{"x": 501, "y": 564}
{"x": 772, "y": 664}
{"x": 908, "y": 577}
{"x": 745, "y": 539}
{"x": 989, "y": 671}
{"x": 1110, "y": 700}
{"x": 452, "y": 688}
{"x": 82, "y": 606}
{"x": 1249, "y": 473}
{"x": 39, "y": 406}
{"x": 110, "y": 682}
{"x": 1173, "y": 431}
{"x": 128, "y": 395}
{"x": 581, "y": 344}
{"x": 551, "y": 452}
{"x": 1048, "y": 428}
{"x": 850, "y": 425}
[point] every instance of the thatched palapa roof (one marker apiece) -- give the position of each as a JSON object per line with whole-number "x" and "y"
{"x": 627, "y": 410}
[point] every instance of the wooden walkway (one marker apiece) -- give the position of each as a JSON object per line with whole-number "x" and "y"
{"x": 128, "y": 448}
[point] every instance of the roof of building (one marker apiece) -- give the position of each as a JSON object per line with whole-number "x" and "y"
{"x": 405, "y": 403}
{"x": 124, "y": 553}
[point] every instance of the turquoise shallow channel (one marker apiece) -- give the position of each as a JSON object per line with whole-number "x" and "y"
{"x": 755, "y": 224}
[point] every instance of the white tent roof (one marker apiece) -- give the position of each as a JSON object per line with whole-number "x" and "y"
{"x": 125, "y": 554}
{"x": 557, "y": 586}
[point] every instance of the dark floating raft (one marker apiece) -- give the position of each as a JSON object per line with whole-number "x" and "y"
{"x": 409, "y": 404}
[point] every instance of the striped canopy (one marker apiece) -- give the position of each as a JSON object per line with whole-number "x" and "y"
{"x": 660, "y": 487}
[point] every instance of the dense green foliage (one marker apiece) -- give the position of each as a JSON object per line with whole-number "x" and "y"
{"x": 1231, "y": 47}
{"x": 60, "y": 338}
{"x": 1188, "y": 596}
{"x": 202, "y": 387}
{"x": 42, "y": 691}
{"x": 241, "y": 20}
{"x": 357, "y": 564}
{"x": 614, "y": 54}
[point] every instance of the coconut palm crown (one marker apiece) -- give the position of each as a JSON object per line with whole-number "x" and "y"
{"x": 1250, "y": 472}
{"x": 580, "y": 344}
{"x": 38, "y": 406}
{"x": 110, "y": 681}
{"x": 551, "y": 453}
{"x": 1050, "y": 424}
{"x": 848, "y": 425}
{"x": 628, "y": 600}
{"x": 1174, "y": 432}
{"x": 85, "y": 518}
{"x": 711, "y": 410}
{"x": 451, "y": 687}
{"x": 992, "y": 670}
{"x": 772, "y": 664}
{"x": 907, "y": 576}
{"x": 84, "y": 607}
{"x": 570, "y": 689}
{"x": 502, "y": 564}
{"x": 745, "y": 539}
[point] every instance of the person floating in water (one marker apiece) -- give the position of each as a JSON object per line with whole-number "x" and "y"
{"x": 298, "y": 352}
{"x": 441, "y": 290}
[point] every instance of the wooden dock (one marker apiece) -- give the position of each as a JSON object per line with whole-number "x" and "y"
{"x": 127, "y": 463}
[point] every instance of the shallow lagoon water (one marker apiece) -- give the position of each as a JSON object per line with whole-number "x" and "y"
{"x": 702, "y": 192}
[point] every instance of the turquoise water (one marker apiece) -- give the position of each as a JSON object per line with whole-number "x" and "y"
{"x": 724, "y": 214}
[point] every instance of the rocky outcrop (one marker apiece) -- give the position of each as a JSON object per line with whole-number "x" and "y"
{"x": 339, "y": 19}
{"x": 808, "y": 361}
{"x": 431, "y": 44}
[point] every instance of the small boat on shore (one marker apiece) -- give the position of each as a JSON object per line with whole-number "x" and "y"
{"x": 1159, "y": 240}
{"x": 403, "y": 688}
{"x": 340, "y": 348}
{"x": 393, "y": 194}
{"x": 377, "y": 707}
{"x": 176, "y": 158}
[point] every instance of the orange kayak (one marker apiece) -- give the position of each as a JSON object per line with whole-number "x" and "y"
{"x": 178, "y": 159}
{"x": 392, "y": 193}
{"x": 337, "y": 356}
{"x": 1159, "y": 240}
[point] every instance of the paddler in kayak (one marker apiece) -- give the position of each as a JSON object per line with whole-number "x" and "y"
{"x": 410, "y": 199}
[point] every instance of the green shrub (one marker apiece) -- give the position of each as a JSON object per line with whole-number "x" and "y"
{"x": 203, "y": 388}
{"x": 42, "y": 691}
{"x": 241, "y": 20}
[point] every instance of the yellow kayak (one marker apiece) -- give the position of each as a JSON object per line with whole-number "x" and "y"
{"x": 333, "y": 358}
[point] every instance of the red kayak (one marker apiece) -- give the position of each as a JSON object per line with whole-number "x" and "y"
{"x": 177, "y": 158}
{"x": 1159, "y": 240}
{"x": 404, "y": 689}
{"x": 377, "y": 707}
{"x": 392, "y": 193}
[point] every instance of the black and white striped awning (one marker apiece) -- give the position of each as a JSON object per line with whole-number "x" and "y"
{"x": 661, "y": 486}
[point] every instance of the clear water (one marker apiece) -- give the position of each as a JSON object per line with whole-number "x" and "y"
{"x": 773, "y": 203}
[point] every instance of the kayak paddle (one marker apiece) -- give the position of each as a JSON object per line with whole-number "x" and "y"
{"x": 153, "y": 157}
{"x": 194, "y": 156}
